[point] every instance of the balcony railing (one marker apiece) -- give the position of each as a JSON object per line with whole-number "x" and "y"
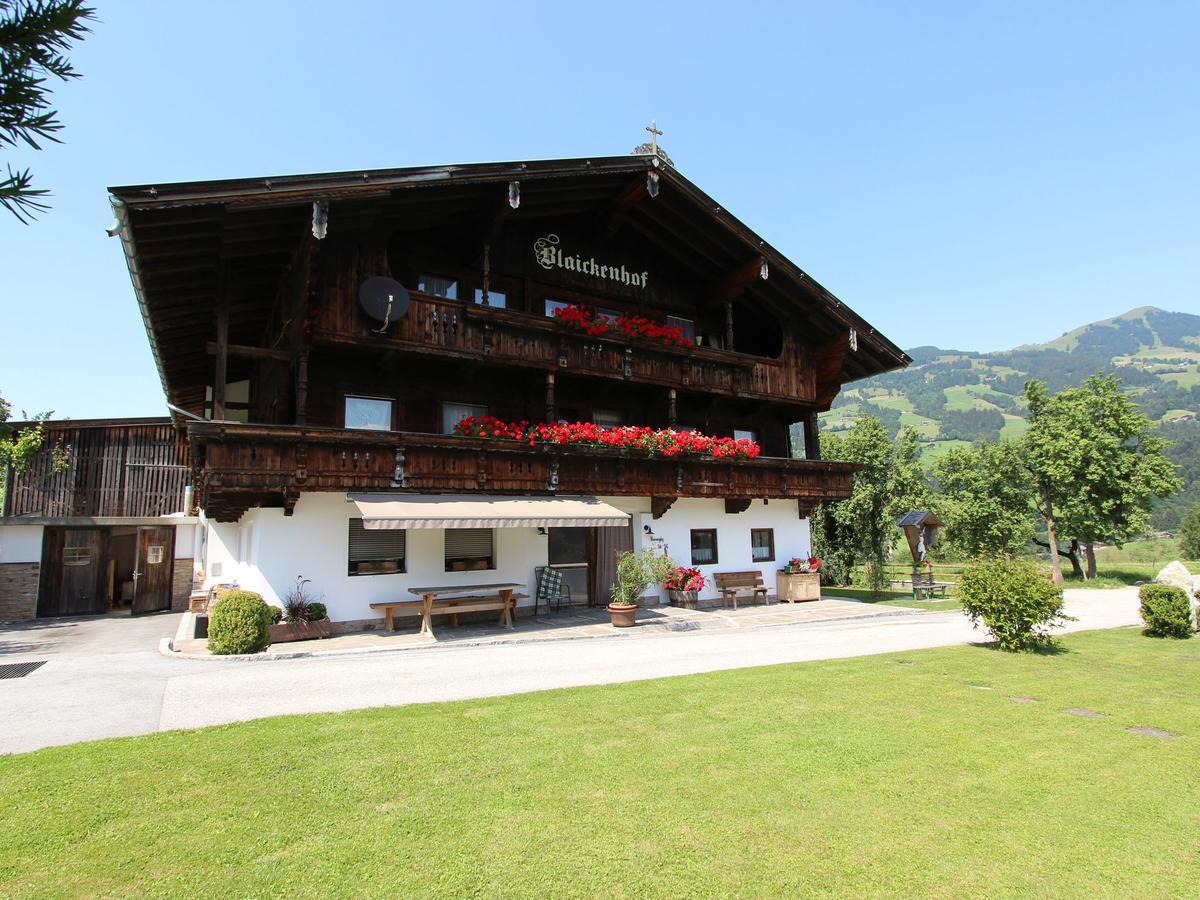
{"x": 446, "y": 327}
{"x": 240, "y": 465}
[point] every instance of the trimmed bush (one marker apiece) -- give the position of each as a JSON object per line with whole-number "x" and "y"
{"x": 275, "y": 613}
{"x": 1166, "y": 610}
{"x": 238, "y": 624}
{"x": 317, "y": 611}
{"x": 1015, "y": 600}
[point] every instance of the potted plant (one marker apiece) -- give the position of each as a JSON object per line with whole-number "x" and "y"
{"x": 799, "y": 580}
{"x": 635, "y": 573}
{"x": 303, "y": 618}
{"x": 684, "y": 584}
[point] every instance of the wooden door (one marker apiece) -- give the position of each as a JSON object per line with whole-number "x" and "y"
{"x": 155, "y": 565}
{"x": 73, "y": 576}
{"x": 604, "y": 544}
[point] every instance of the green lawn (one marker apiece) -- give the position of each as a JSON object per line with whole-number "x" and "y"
{"x": 890, "y": 598}
{"x": 904, "y": 774}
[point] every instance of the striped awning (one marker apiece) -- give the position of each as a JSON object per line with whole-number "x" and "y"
{"x": 473, "y": 511}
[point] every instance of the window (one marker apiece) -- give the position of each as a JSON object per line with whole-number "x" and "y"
{"x": 552, "y": 305}
{"x": 567, "y": 415}
{"x": 439, "y": 287}
{"x": 608, "y": 418}
{"x": 498, "y": 299}
{"x": 469, "y": 549}
{"x": 762, "y": 544}
{"x": 369, "y": 412}
{"x": 566, "y": 546}
{"x": 704, "y": 546}
{"x": 77, "y": 556}
{"x": 688, "y": 326}
{"x": 608, "y": 315}
{"x": 745, "y": 434}
{"x": 453, "y": 413}
{"x": 375, "y": 551}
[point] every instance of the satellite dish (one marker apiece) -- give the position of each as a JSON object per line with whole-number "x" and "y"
{"x": 383, "y": 299}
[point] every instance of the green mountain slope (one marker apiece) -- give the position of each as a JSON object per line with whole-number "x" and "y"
{"x": 954, "y": 397}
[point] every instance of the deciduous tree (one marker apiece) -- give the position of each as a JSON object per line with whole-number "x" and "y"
{"x": 983, "y": 499}
{"x": 863, "y": 527}
{"x": 1095, "y": 462}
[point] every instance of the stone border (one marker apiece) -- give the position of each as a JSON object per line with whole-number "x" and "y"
{"x": 166, "y": 645}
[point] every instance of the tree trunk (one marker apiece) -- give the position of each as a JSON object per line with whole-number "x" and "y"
{"x": 1052, "y": 540}
{"x": 1073, "y": 555}
{"x": 1091, "y": 560}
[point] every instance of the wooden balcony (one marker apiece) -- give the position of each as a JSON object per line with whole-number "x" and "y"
{"x": 238, "y": 466}
{"x": 466, "y": 330}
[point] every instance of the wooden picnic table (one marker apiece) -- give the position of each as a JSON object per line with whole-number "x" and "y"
{"x": 504, "y": 598}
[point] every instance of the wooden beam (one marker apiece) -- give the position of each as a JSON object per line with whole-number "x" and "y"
{"x": 222, "y": 354}
{"x": 660, "y": 505}
{"x": 735, "y": 282}
{"x": 737, "y": 505}
{"x": 812, "y": 437}
{"x": 633, "y": 194}
{"x": 251, "y": 352}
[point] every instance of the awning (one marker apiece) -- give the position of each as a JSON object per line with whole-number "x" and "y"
{"x": 456, "y": 511}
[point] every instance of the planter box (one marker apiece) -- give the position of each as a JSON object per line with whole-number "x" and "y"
{"x": 798, "y": 588}
{"x": 299, "y": 631}
{"x": 685, "y": 599}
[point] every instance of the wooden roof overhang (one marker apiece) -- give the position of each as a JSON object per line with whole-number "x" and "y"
{"x": 188, "y": 243}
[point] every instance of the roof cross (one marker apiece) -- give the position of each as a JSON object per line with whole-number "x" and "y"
{"x": 655, "y": 134}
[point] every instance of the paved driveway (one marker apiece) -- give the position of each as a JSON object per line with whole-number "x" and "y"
{"x": 102, "y": 684}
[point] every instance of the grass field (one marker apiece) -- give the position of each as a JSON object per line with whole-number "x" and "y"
{"x": 905, "y": 774}
{"x": 890, "y": 598}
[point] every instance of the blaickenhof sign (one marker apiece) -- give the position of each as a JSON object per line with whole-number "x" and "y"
{"x": 549, "y": 256}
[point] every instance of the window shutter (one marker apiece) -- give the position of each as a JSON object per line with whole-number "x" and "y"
{"x": 468, "y": 543}
{"x": 382, "y": 543}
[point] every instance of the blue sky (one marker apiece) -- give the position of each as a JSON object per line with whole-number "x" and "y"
{"x": 961, "y": 174}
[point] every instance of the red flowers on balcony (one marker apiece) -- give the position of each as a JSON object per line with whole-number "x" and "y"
{"x": 655, "y": 442}
{"x": 584, "y": 319}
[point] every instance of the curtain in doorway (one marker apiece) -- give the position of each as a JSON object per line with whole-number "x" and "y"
{"x": 603, "y": 546}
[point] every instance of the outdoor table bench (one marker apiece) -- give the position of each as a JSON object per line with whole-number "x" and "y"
{"x": 464, "y": 598}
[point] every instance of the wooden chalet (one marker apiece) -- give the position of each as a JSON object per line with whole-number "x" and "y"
{"x": 308, "y": 406}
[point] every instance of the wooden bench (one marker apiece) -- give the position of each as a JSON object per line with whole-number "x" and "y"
{"x": 923, "y": 585}
{"x": 730, "y": 584}
{"x": 451, "y": 606}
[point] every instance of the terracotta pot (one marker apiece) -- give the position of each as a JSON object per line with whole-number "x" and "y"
{"x": 685, "y": 599}
{"x": 299, "y": 631}
{"x": 623, "y": 616}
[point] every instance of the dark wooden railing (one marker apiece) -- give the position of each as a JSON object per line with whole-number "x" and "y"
{"x": 113, "y": 470}
{"x": 239, "y": 465}
{"x": 445, "y": 327}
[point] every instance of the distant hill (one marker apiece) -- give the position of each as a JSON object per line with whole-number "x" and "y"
{"x": 954, "y": 397}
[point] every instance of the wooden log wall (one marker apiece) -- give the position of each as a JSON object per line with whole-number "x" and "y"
{"x": 114, "y": 470}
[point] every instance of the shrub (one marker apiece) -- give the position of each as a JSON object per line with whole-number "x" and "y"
{"x": 297, "y": 605}
{"x": 239, "y": 624}
{"x": 1016, "y": 601}
{"x": 317, "y": 611}
{"x": 276, "y": 615}
{"x": 1166, "y": 610}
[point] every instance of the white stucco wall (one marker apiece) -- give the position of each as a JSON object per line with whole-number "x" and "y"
{"x": 266, "y": 550}
{"x": 733, "y": 534}
{"x": 20, "y": 543}
{"x": 313, "y": 542}
{"x": 185, "y": 546}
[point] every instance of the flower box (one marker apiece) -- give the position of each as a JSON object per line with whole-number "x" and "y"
{"x": 798, "y": 588}
{"x": 685, "y": 599}
{"x": 300, "y": 631}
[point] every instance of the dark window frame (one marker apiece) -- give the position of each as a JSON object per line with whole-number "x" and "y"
{"x": 449, "y": 560}
{"x": 770, "y": 544}
{"x": 716, "y": 557}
